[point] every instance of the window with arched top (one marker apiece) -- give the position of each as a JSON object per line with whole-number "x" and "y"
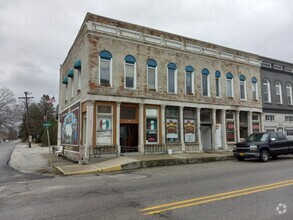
{"x": 242, "y": 79}
{"x": 152, "y": 74}
{"x": 205, "y": 82}
{"x": 229, "y": 85}
{"x": 189, "y": 80}
{"x": 254, "y": 89}
{"x": 218, "y": 83}
{"x": 289, "y": 93}
{"x": 278, "y": 88}
{"x": 130, "y": 72}
{"x": 105, "y": 74}
{"x": 266, "y": 91}
{"x": 172, "y": 78}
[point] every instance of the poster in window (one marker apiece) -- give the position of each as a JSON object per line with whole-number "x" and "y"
{"x": 69, "y": 129}
{"x": 189, "y": 130}
{"x": 104, "y": 131}
{"x": 255, "y": 127}
{"x": 172, "y": 130}
{"x": 151, "y": 131}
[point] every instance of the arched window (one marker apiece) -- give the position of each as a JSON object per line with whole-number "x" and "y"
{"x": 229, "y": 85}
{"x": 152, "y": 74}
{"x": 218, "y": 83}
{"x": 205, "y": 82}
{"x": 266, "y": 91}
{"x": 289, "y": 93}
{"x": 189, "y": 80}
{"x": 105, "y": 76}
{"x": 242, "y": 79}
{"x": 254, "y": 89}
{"x": 130, "y": 72}
{"x": 278, "y": 88}
{"x": 172, "y": 78}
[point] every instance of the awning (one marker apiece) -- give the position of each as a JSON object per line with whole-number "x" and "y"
{"x": 70, "y": 73}
{"x": 65, "y": 80}
{"x": 77, "y": 64}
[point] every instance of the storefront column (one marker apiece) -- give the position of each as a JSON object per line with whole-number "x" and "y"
{"x": 214, "y": 130}
{"x": 163, "y": 125}
{"x": 237, "y": 126}
{"x": 90, "y": 130}
{"x": 140, "y": 129}
{"x": 182, "y": 129}
{"x": 262, "y": 122}
{"x": 249, "y": 122}
{"x": 198, "y": 130}
{"x": 223, "y": 129}
{"x": 118, "y": 127}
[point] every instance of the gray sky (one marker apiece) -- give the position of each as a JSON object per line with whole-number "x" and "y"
{"x": 36, "y": 35}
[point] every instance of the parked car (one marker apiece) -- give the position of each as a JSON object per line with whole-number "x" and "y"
{"x": 263, "y": 146}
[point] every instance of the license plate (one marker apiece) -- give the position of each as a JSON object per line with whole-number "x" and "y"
{"x": 241, "y": 154}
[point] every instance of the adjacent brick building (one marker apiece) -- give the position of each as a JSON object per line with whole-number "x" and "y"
{"x": 128, "y": 89}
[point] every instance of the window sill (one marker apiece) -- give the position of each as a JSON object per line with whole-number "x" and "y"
{"x": 105, "y": 85}
{"x": 152, "y": 90}
{"x": 189, "y": 93}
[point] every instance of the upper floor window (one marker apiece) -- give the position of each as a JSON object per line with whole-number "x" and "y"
{"x": 189, "y": 80}
{"x": 152, "y": 74}
{"x": 130, "y": 72}
{"x": 254, "y": 88}
{"x": 242, "y": 79}
{"x": 278, "y": 92}
{"x": 289, "y": 93}
{"x": 266, "y": 91}
{"x": 230, "y": 92}
{"x": 105, "y": 76}
{"x": 205, "y": 82}
{"x": 172, "y": 78}
{"x": 218, "y": 83}
{"x": 270, "y": 117}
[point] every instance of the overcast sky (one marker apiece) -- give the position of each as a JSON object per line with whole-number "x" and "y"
{"x": 36, "y": 35}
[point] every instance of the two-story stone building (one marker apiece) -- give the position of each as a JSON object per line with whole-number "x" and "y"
{"x": 127, "y": 89}
{"x": 277, "y": 79}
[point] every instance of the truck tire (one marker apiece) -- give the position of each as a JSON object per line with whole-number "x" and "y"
{"x": 264, "y": 156}
{"x": 239, "y": 158}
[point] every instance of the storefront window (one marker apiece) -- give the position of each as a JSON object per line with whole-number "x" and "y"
{"x": 189, "y": 125}
{"x": 255, "y": 123}
{"x": 230, "y": 126}
{"x": 172, "y": 124}
{"x": 152, "y": 120}
{"x": 104, "y": 125}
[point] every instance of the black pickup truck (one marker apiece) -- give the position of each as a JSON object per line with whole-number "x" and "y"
{"x": 263, "y": 146}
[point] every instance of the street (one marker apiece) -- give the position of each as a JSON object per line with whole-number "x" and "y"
{"x": 215, "y": 190}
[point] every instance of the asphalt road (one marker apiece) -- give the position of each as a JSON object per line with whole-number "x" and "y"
{"x": 8, "y": 174}
{"x": 215, "y": 190}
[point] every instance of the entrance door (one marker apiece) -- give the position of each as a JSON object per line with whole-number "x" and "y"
{"x": 129, "y": 138}
{"x": 206, "y": 134}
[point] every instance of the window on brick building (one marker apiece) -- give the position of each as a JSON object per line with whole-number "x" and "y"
{"x": 278, "y": 88}
{"x": 172, "y": 78}
{"x": 152, "y": 74}
{"x": 289, "y": 93}
{"x": 242, "y": 79}
{"x": 254, "y": 89}
{"x": 229, "y": 87}
{"x": 218, "y": 83}
{"x": 205, "y": 82}
{"x": 266, "y": 91}
{"x": 105, "y": 76}
{"x": 189, "y": 80}
{"x": 130, "y": 72}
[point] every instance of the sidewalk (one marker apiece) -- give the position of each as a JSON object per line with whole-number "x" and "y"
{"x": 39, "y": 160}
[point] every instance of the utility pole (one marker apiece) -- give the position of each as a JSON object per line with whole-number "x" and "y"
{"x": 28, "y": 117}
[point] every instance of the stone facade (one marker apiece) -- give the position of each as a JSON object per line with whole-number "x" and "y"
{"x": 128, "y": 89}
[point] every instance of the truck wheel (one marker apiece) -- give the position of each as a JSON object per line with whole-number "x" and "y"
{"x": 264, "y": 156}
{"x": 240, "y": 158}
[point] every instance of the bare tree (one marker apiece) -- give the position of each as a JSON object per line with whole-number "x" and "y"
{"x": 7, "y": 109}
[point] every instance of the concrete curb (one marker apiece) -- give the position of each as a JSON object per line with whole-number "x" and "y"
{"x": 135, "y": 164}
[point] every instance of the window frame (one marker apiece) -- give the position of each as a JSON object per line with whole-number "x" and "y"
{"x": 243, "y": 83}
{"x": 173, "y": 68}
{"x": 155, "y": 68}
{"x": 190, "y": 70}
{"x": 106, "y": 59}
{"x": 130, "y": 60}
{"x": 205, "y": 73}
{"x": 278, "y": 88}
{"x": 289, "y": 100}
{"x": 267, "y": 84}
{"x": 218, "y": 84}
